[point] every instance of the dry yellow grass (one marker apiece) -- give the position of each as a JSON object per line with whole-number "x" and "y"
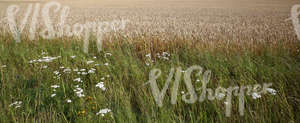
{"x": 235, "y": 24}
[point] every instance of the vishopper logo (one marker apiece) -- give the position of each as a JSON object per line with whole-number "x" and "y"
{"x": 63, "y": 29}
{"x": 206, "y": 93}
{"x": 295, "y": 13}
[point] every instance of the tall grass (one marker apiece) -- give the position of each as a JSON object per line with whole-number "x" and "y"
{"x": 126, "y": 96}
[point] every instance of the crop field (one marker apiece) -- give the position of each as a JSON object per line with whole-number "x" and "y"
{"x": 149, "y": 61}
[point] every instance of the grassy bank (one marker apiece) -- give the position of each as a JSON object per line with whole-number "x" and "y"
{"x": 124, "y": 69}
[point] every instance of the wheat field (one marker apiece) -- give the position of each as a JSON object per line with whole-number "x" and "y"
{"x": 241, "y": 42}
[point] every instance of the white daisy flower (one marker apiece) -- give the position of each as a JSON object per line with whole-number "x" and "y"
{"x": 18, "y": 106}
{"x": 15, "y": 103}
{"x": 158, "y": 55}
{"x": 165, "y": 58}
{"x": 47, "y": 59}
{"x": 255, "y": 95}
{"x": 271, "y": 91}
{"x": 53, "y": 95}
{"x": 44, "y": 53}
{"x": 89, "y": 62}
{"x": 81, "y": 95}
{"x": 32, "y": 61}
{"x": 103, "y": 111}
{"x": 107, "y": 54}
{"x": 77, "y": 80}
{"x": 67, "y": 70}
{"x": 91, "y": 71}
{"x": 84, "y": 73}
{"x": 147, "y": 64}
{"x": 165, "y": 54}
{"x": 101, "y": 86}
{"x": 79, "y": 91}
{"x": 148, "y": 55}
{"x": 69, "y": 101}
{"x": 54, "y": 86}
{"x": 56, "y": 72}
